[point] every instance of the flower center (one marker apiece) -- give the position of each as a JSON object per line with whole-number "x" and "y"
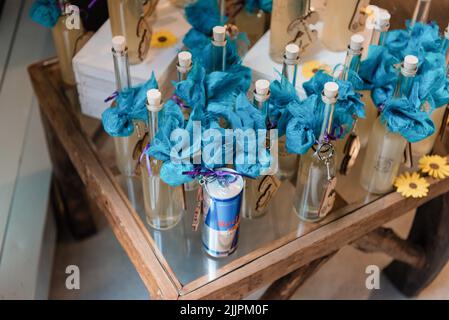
{"x": 413, "y": 185}
{"x": 434, "y": 166}
{"x": 162, "y": 38}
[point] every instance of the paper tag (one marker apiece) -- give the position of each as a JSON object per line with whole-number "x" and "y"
{"x": 351, "y": 152}
{"x": 328, "y": 200}
{"x": 198, "y": 209}
{"x": 267, "y": 189}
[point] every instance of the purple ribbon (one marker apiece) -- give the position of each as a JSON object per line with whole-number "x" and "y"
{"x": 91, "y": 4}
{"x": 179, "y": 102}
{"x": 147, "y": 159}
{"x": 111, "y": 97}
{"x": 223, "y": 177}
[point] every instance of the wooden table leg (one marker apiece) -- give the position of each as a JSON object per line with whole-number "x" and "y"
{"x": 285, "y": 287}
{"x": 69, "y": 196}
{"x": 430, "y": 231}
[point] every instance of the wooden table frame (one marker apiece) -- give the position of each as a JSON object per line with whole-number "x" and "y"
{"x": 418, "y": 260}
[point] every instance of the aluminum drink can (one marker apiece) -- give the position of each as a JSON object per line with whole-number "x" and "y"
{"x": 221, "y": 207}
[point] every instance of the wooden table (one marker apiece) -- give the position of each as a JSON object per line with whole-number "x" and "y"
{"x": 276, "y": 248}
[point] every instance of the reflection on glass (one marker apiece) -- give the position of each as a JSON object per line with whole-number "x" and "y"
{"x": 133, "y": 19}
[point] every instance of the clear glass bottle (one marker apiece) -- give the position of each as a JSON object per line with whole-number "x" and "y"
{"x": 348, "y": 149}
{"x": 288, "y": 163}
{"x": 124, "y": 146}
{"x": 258, "y": 192}
{"x": 336, "y": 22}
{"x": 284, "y": 12}
{"x": 133, "y": 19}
{"x": 421, "y": 13}
{"x": 386, "y": 149}
{"x": 164, "y": 205}
{"x": 438, "y": 115}
{"x": 183, "y": 68}
{"x": 378, "y": 36}
{"x": 219, "y": 49}
{"x": 66, "y": 42}
{"x": 315, "y": 186}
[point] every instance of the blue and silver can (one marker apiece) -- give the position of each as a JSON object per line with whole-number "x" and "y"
{"x": 221, "y": 208}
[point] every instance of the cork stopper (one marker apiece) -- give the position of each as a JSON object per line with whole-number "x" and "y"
{"x": 356, "y": 43}
{"x": 154, "y": 100}
{"x": 119, "y": 43}
{"x": 383, "y": 20}
{"x": 292, "y": 51}
{"x": 410, "y": 65}
{"x": 184, "y": 59}
{"x": 262, "y": 87}
{"x": 331, "y": 90}
{"x": 219, "y": 33}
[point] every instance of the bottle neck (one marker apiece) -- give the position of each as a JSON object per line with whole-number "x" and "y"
{"x": 261, "y": 103}
{"x": 328, "y": 116}
{"x": 153, "y": 123}
{"x": 219, "y": 56}
{"x": 421, "y": 13}
{"x": 121, "y": 70}
{"x": 352, "y": 65}
{"x": 404, "y": 85}
{"x": 183, "y": 72}
{"x": 289, "y": 72}
{"x": 378, "y": 37}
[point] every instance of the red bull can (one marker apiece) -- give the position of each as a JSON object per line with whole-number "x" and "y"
{"x": 221, "y": 207}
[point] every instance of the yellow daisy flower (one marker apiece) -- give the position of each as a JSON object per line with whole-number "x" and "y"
{"x": 309, "y": 68}
{"x": 411, "y": 185}
{"x": 163, "y": 39}
{"x": 435, "y": 166}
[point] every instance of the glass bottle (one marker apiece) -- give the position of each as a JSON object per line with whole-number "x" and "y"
{"x": 183, "y": 68}
{"x": 124, "y": 146}
{"x": 288, "y": 163}
{"x": 315, "y": 186}
{"x": 66, "y": 42}
{"x": 421, "y": 13}
{"x": 164, "y": 205}
{"x": 219, "y": 49}
{"x": 378, "y": 36}
{"x": 284, "y": 12}
{"x": 386, "y": 149}
{"x": 133, "y": 19}
{"x": 336, "y": 23}
{"x": 438, "y": 116}
{"x": 348, "y": 149}
{"x": 258, "y": 192}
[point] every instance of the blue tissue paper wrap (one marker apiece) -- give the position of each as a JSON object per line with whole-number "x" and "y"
{"x": 251, "y": 119}
{"x": 282, "y": 94}
{"x": 379, "y": 74}
{"x": 400, "y": 116}
{"x": 45, "y": 12}
{"x": 175, "y": 155}
{"x": 129, "y": 106}
{"x": 253, "y": 5}
{"x": 203, "y": 16}
{"x": 416, "y": 40}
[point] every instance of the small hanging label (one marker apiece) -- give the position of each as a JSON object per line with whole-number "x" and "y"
{"x": 408, "y": 156}
{"x": 267, "y": 189}
{"x": 351, "y": 152}
{"x": 198, "y": 209}
{"x": 328, "y": 200}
